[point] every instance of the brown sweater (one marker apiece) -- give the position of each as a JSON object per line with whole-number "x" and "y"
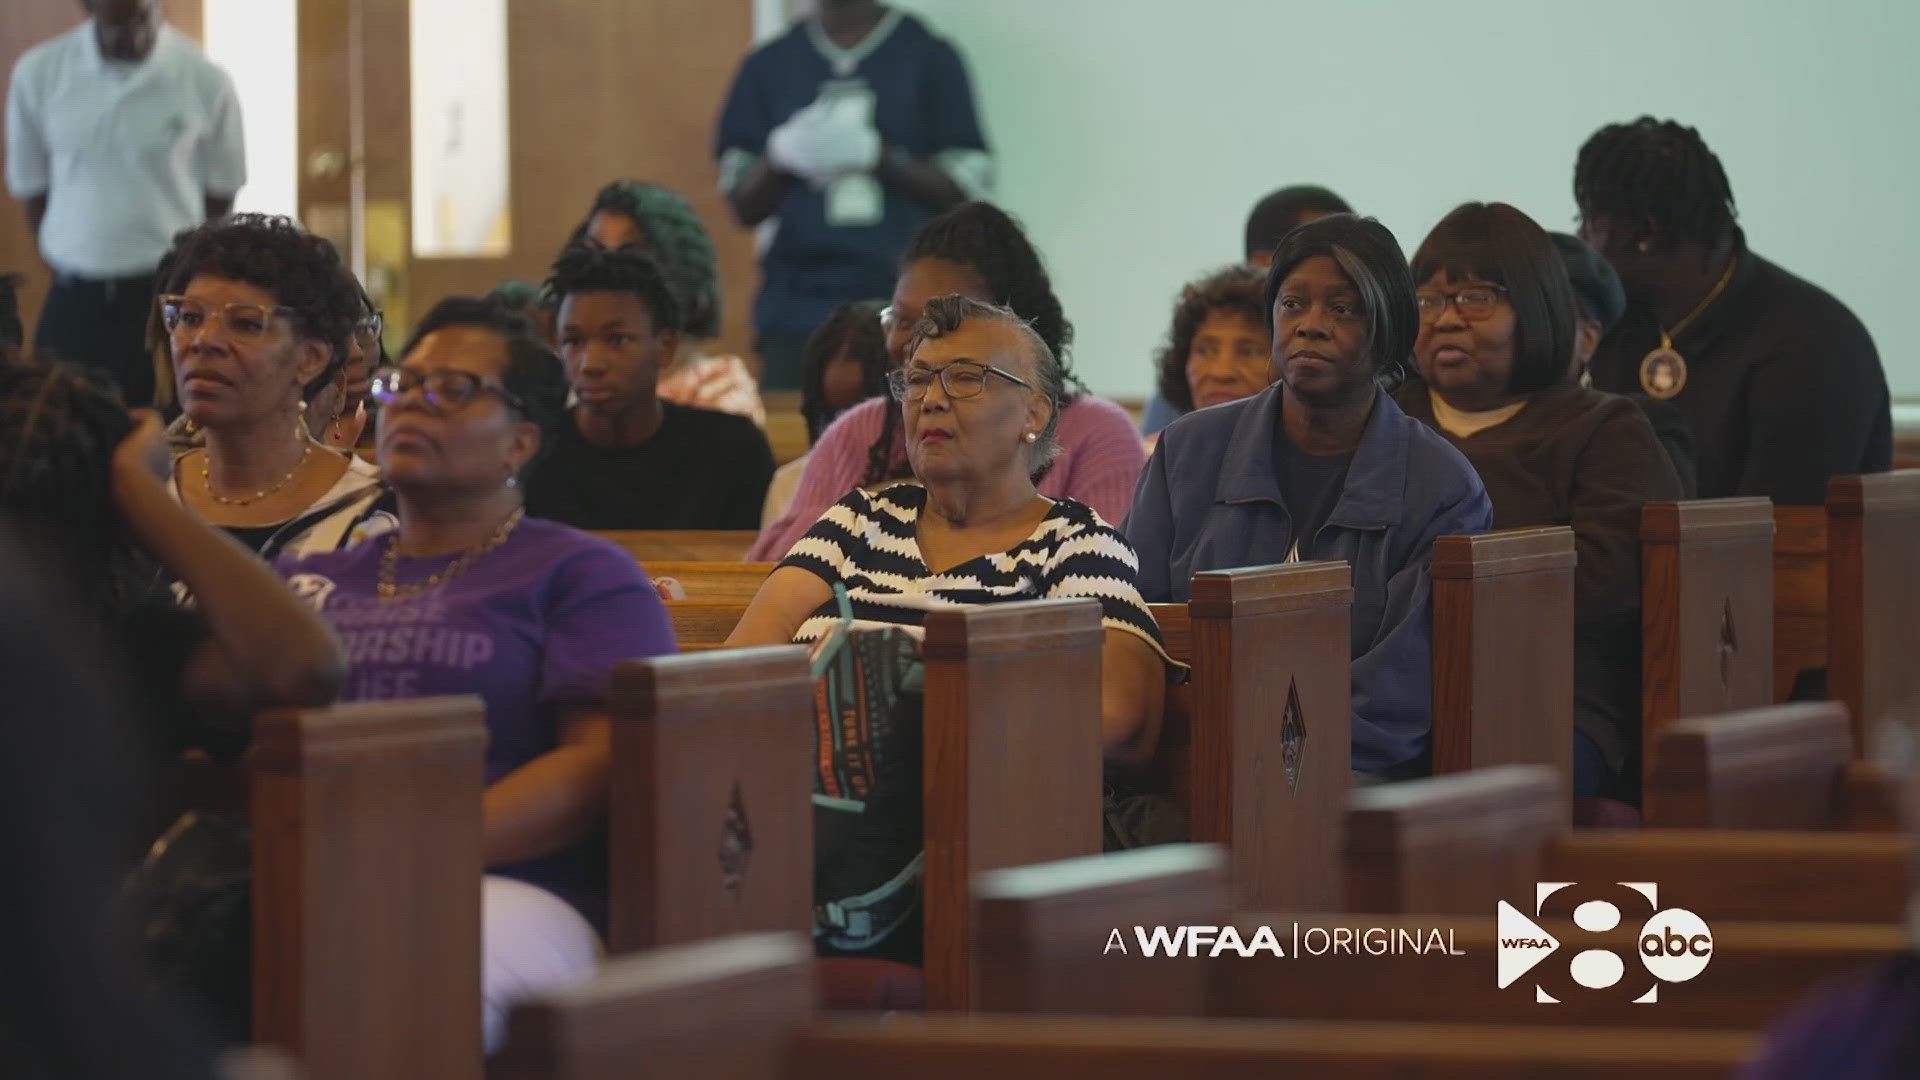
{"x": 1579, "y": 457}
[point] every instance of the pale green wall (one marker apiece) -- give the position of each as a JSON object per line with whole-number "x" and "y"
{"x": 1133, "y": 135}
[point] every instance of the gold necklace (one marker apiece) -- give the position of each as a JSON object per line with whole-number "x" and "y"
{"x": 1663, "y": 371}
{"x": 206, "y": 479}
{"x": 390, "y": 559}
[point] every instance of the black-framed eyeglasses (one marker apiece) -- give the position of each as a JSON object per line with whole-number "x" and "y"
{"x": 961, "y": 379}
{"x": 445, "y": 389}
{"x": 244, "y": 322}
{"x": 1475, "y": 303}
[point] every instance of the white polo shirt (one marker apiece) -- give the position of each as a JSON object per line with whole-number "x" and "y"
{"x": 126, "y": 152}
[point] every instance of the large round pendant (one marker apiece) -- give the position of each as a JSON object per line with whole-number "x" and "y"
{"x": 1663, "y": 373}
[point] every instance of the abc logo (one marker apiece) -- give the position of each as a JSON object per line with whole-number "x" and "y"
{"x": 1675, "y": 945}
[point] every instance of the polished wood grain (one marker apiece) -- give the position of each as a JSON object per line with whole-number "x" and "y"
{"x": 711, "y": 812}
{"x": 1503, "y": 649}
{"x": 1269, "y": 644}
{"x": 367, "y": 857}
{"x": 1706, "y": 610}
{"x": 1011, "y": 737}
{"x": 1873, "y": 598}
{"x": 1799, "y": 594}
{"x": 1780, "y": 767}
{"x": 684, "y": 545}
{"x": 703, "y": 624}
{"x": 1042, "y": 933}
{"x": 1452, "y": 844}
{"x": 713, "y": 582}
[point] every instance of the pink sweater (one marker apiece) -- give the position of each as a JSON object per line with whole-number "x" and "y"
{"x": 1100, "y": 460}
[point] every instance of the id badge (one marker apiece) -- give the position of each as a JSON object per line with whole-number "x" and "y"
{"x": 855, "y": 200}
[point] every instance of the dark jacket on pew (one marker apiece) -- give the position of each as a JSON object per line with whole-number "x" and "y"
{"x": 1783, "y": 386}
{"x": 1210, "y": 500}
{"x": 1578, "y": 457}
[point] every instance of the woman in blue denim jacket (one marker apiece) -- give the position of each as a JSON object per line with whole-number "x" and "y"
{"x": 1323, "y": 465}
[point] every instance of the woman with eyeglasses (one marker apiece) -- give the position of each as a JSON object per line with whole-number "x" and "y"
{"x": 979, "y": 402}
{"x": 1494, "y": 351}
{"x": 469, "y": 595}
{"x": 260, "y": 318}
{"x": 974, "y": 250}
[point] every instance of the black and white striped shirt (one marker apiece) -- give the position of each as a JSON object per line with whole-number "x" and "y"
{"x": 868, "y": 541}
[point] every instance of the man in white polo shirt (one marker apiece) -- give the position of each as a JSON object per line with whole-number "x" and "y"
{"x": 120, "y": 133}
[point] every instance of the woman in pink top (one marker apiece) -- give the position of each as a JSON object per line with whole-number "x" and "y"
{"x": 974, "y": 250}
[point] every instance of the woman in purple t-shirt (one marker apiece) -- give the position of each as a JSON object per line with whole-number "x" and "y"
{"x": 470, "y": 596}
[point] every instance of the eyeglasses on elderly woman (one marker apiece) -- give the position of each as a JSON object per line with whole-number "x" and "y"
{"x": 960, "y": 379}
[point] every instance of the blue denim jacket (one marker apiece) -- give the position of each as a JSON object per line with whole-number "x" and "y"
{"x": 1210, "y": 500}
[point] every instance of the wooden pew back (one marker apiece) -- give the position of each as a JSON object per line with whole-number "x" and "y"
{"x": 739, "y": 1009}
{"x": 1269, "y": 710}
{"x": 367, "y": 857}
{"x": 1706, "y": 610}
{"x": 704, "y": 624}
{"x": 1011, "y": 745}
{"x": 1462, "y": 844}
{"x": 683, "y": 545}
{"x": 714, "y": 582}
{"x": 1780, "y": 767}
{"x": 1503, "y": 650}
{"x": 1799, "y": 594}
{"x": 1873, "y": 597}
{"x": 710, "y": 827}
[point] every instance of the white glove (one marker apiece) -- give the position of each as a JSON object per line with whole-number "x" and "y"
{"x": 825, "y": 141}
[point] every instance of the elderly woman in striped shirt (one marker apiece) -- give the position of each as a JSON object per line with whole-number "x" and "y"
{"x": 980, "y": 401}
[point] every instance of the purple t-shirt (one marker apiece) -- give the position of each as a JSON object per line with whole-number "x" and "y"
{"x": 533, "y": 626}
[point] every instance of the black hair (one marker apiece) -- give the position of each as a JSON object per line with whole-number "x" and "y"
{"x": 1656, "y": 171}
{"x": 274, "y": 253}
{"x": 1236, "y": 289}
{"x": 1596, "y": 285}
{"x": 13, "y": 334}
{"x": 944, "y": 314}
{"x": 1370, "y": 257}
{"x": 592, "y": 268}
{"x": 853, "y": 329}
{"x": 532, "y": 373}
{"x": 987, "y": 241}
{"x": 677, "y": 240}
{"x": 59, "y": 427}
{"x": 1495, "y": 242}
{"x": 1279, "y": 212}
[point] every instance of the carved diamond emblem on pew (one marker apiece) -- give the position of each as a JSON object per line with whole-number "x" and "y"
{"x": 736, "y": 845}
{"x": 1729, "y": 646}
{"x": 1293, "y": 737}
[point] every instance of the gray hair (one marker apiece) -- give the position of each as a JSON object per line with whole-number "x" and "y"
{"x": 943, "y": 315}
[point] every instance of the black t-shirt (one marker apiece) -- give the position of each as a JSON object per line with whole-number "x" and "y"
{"x": 702, "y": 470}
{"x": 1311, "y": 486}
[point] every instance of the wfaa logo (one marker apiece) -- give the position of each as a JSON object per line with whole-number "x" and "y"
{"x": 1673, "y": 945}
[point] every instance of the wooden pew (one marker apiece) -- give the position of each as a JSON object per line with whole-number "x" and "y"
{"x": 739, "y": 1008}
{"x": 1799, "y": 594}
{"x": 1503, "y": 650}
{"x": 704, "y": 624}
{"x": 684, "y": 545}
{"x": 1045, "y": 947}
{"x": 1873, "y": 597}
{"x": 1011, "y": 748}
{"x": 714, "y": 582}
{"x": 709, "y": 820}
{"x": 1257, "y": 743}
{"x": 1011, "y": 775}
{"x": 1460, "y": 844}
{"x": 366, "y": 889}
{"x": 1780, "y": 767}
{"x": 1706, "y": 610}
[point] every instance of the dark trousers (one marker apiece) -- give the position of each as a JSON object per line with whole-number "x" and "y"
{"x": 102, "y": 324}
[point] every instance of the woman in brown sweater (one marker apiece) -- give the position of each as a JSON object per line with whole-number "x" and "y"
{"x": 1496, "y": 337}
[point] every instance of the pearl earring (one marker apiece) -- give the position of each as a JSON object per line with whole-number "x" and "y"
{"x": 1030, "y": 436}
{"x": 1646, "y": 247}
